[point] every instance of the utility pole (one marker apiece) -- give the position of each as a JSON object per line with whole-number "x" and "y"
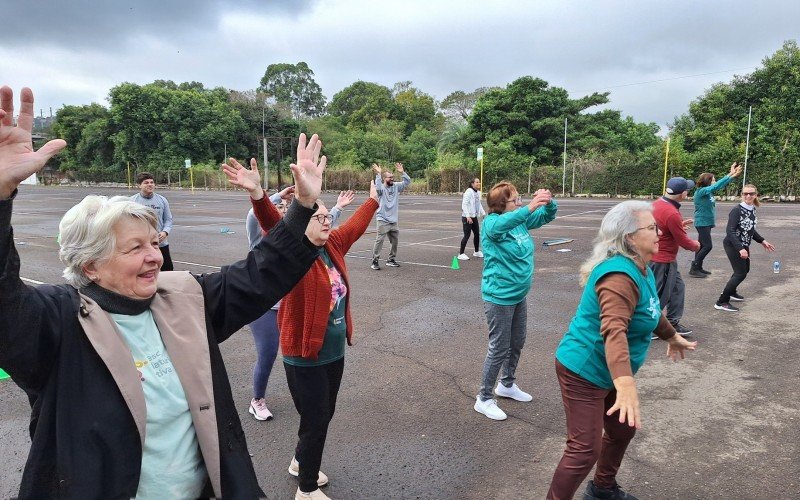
{"x": 564, "y": 175}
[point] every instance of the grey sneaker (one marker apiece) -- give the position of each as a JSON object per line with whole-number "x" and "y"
{"x": 375, "y": 265}
{"x": 725, "y": 306}
{"x": 392, "y": 263}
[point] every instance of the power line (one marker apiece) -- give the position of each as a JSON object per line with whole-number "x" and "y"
{"x": 659, "y": 81}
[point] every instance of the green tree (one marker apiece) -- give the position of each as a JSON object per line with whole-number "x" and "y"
{"x": 86, "y": 130}
{"x": 294, "y": 85}
{"x": 363, "y": 104}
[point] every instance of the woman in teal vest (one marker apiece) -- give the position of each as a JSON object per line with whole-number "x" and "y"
{"x": 705, "y": 213}
{"x": 605, "y": 345}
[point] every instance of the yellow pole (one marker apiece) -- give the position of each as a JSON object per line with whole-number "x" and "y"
{"x": 666, "y": 159}
{"x": 191, "y": 177}
{"x": 482, "y": 188}
{"x": 129, "y": 176}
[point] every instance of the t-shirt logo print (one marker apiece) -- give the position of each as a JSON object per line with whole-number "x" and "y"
{"x": 654, "y": 308}
{"x": 338, "y": 288}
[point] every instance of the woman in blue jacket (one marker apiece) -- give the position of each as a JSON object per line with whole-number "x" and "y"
{"x": 705, "y": 214}
{"x": 507, "y": 275}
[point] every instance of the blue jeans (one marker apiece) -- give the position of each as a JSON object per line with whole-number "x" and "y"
{"x": 266, "y": 335}
{"x": 507, "y": 331}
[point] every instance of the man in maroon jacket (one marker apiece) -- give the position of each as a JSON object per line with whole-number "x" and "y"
{"x": 672, "y": 235}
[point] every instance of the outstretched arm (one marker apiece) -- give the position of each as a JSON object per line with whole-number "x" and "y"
{"x": 242, "y": 292}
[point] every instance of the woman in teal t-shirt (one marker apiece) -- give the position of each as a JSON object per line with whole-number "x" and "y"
{"x": 705, "y": 213}
{"x": 605, "y": 345}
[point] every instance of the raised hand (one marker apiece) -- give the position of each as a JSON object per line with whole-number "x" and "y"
{"x": 345, "y": 198}
{"x": 308, "y": 170}
{"x": 18, "y": 160}
{"x": 248, "y": 179}
{"x": 540, "y": 198}
{"x": 377, "y": 169}
{"x": 287, "y": 193}
{"x": 736, "y": 169}
{"x": 399, "y": 167}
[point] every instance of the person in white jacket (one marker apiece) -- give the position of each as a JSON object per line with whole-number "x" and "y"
{"x": 471, "y": 211}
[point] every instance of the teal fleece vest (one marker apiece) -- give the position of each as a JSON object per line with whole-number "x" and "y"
{"x": 582, "y": 349}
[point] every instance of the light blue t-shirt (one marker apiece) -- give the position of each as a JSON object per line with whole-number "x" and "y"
{"x": 172, "y": 466}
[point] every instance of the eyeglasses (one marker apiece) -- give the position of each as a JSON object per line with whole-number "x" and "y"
{"x": 518, "y": 199}
{"x": 321, "y": 218}
{"x": 752, "y": 193}
{"x": 651, "y": 227}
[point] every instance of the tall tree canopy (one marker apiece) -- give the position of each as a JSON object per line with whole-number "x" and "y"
{"x": 293, "y": 85}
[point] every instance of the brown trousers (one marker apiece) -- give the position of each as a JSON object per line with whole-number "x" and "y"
{"x": 585, "y": 405}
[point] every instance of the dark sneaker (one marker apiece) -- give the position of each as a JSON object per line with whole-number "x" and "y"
{"x": 682, "y": 330}
{"x": 616, "y": 493}
{"x": 375, "y": 265}
{"x": 725, "y": 306}
{"x": 736, "y": 297}
{"x": 392, "y": 263}
{"x": 695, "y": 272}
{"x": 704, "y": 271}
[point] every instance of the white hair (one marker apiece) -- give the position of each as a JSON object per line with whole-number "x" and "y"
{"x": 612, "y": 240}
{"x": 86, "y": 232}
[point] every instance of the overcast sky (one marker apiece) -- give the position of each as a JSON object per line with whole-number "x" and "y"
{"x": 73, "y": 52}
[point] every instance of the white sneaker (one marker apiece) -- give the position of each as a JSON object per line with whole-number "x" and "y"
{"x": 478, "y": 254}
{"x": 489, "y": 408}
{"x": 463, "y": 256}
{"x": 259, "y": 410}
{"x": 513, "y": 392}
{"x": 313, "y": 495}
{"x": 294, "y": 469}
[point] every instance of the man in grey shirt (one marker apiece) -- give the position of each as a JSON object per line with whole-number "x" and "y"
{"x": 148, "y": 197}
{"x": 387, "y": 216}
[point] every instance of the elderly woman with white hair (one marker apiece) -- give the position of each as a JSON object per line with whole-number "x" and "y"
{"x": 131, "y": 397}
{"x": 606, "y": 343}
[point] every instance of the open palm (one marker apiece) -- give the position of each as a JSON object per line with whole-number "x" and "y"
{"x": 18, "y": 160}
{"x": 249, "y": 179}
{"x": 308, "y": 170}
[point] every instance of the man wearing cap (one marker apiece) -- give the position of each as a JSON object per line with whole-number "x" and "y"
{"x": 672, "y": 235}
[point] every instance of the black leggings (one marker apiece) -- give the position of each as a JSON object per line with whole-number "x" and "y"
{"x": 740, "y": 269}
{"x": 704, "y": 236}
{"x": 470, "y": 227}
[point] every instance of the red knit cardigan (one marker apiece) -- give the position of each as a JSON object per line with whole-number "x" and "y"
{"x": 303, "y": 315}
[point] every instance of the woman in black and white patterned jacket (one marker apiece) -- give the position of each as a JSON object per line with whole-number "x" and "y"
{"x": 739, "y": 233}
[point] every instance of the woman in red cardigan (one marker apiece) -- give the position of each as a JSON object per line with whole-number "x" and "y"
{"x": 315, "y": 323}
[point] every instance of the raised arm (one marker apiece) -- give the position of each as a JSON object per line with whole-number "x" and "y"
{"x": 31, "y": 318}
{"x": 406, "y": 179}
{"x": 348, "y": 233}
{"x": 242, "y": 292}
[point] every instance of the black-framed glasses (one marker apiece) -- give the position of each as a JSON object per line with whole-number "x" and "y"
{"x": 750, "y": 193}
{"x": 651, "y": 227}
{"x": 321, "y": 218}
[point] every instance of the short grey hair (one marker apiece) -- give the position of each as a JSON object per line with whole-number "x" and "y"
{"x": 612, "y": 240}
{"x": 86, "y": 232}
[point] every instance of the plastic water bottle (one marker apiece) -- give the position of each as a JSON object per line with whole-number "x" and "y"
{"x": 776, "y": 267}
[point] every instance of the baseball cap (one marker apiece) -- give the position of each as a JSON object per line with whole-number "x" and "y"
{"x": 677, "y": 185}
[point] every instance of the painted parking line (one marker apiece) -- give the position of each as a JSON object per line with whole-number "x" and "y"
{"x": 33, "y": 282}
{"x": 196, "y": 264}
{"x": 399, "y": 261}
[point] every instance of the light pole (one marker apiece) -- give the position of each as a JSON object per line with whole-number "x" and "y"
{"x": 264, "y": 138}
